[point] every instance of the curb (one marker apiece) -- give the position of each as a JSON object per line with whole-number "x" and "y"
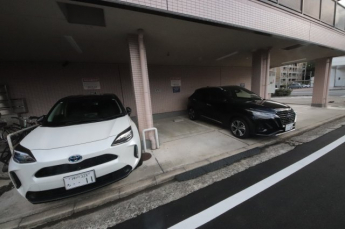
{"x": 180, "y": 174}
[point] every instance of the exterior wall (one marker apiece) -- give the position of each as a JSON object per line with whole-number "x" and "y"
{"x": 192, "y": 78}
{"x": 294, "y": 70}
{"x": 253, "y": 15}
{"x": 337, "y": 78}
{"x": 42, "y": 84}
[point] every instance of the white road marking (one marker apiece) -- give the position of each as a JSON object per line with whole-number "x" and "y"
{"x": 231, "y": 202}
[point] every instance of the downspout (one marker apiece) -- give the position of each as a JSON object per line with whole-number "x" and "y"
{"x": 146, "y": 87}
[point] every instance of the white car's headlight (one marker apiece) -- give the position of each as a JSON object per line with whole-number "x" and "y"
{"x": 22, "y": 155}
{"x": 123, "y": 137}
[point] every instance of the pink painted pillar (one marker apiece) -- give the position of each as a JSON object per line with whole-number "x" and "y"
{"x": 321, "y": 82}
{"x": 260, "y": 72}
{"x": 140, "y": 81}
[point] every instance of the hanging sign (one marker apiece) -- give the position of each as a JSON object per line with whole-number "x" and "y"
{"x": 175, "y": 82}
{"x": 91, "y": 84}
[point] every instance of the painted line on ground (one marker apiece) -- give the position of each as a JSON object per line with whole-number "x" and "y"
{"x": 231, "y": 202}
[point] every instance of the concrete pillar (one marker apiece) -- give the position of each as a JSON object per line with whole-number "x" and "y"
{"x": 260, "y": 72}
{"x": 140, "y": 80}
{"x": 321, "y": 82}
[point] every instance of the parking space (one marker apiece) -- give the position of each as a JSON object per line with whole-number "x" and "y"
{"x": 107, "y": 55}
{"x": 184, "y": 144}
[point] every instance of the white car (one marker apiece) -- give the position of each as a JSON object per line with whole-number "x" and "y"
{"x": 85, "y": 142}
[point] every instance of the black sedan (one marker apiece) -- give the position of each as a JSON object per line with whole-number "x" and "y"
{"x": 242, "y": 111}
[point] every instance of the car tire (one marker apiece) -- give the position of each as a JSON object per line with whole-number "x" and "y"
{"x": 239, "y": 128}
{"x": 192, "y": 114}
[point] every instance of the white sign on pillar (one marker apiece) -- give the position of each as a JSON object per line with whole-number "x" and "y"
{"x": 271, "y": 87}
{"x": 91, "y": 84}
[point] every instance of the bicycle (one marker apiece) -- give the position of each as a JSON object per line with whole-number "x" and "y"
{"x": 6, "y": 154}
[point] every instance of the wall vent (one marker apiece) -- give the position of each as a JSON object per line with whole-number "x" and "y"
{"x": 85, "y": 15}
{"x": 293, "y": 47}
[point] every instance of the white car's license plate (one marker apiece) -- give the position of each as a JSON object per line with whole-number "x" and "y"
{"x": 288, "y": 127}
{"x": 79, "y": 180}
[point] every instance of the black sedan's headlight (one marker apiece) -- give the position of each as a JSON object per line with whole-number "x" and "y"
{"x": 262, "y": 114}
{"x": 23, "y": 155}
{"x": 123, "y": 137}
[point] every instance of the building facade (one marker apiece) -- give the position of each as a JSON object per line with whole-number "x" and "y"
{"x": 337, "y": 78}
{"x": 291, "y": 73}
{"x": 163, "y": 49}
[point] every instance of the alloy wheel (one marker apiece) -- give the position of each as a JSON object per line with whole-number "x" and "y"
{"x": 238, "y": 128}
{"x": 191, "y": 114}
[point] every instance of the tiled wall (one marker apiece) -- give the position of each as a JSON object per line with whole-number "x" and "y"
{"x": 250, "y": 14}
{"x": 42, "y": 84}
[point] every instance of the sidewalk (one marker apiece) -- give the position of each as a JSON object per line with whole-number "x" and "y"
{"x": 185, "y": 145}
{"x": 333, "y": 101}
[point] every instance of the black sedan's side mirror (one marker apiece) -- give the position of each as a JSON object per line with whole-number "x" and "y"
{"x": 41, "y": 119}
{"x": 129, "y": 111}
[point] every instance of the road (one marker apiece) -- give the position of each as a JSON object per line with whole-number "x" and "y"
{"x": 309, "y": 92}
{"x": 302, "y": 195}
{"x": 303, "y": 96}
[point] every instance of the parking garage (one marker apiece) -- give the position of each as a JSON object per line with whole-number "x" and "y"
{"x": 153, "y": 61}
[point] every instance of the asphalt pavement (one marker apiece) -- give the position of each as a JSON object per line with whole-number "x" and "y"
{"x": 311, "y": 197}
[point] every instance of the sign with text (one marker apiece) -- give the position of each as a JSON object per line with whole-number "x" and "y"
{"x": 175, "y": 82}
{"x": 271, "y": 87}
{"x": 91, "y": 84}
{"x": 176, "y": 89}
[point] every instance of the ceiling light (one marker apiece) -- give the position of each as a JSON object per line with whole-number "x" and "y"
{"x": 294, "y": 61}
{"x": 73, "y": 43}
{"x": 226, "y": 56}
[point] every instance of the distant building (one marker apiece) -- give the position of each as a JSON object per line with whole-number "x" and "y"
{"x": 288, "y": 74}
{"x": 337, "y": 78}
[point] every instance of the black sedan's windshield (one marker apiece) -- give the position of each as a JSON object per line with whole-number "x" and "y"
{"x": 241, "y": 93}
{"x": 83, "y": 110}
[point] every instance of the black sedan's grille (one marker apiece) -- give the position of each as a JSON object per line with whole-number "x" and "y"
{"x": 287, "y": 116}
{"x": 67, "y": 168}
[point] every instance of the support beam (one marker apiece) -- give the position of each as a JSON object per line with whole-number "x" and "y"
{"x": 260, "y": 72}
{"x": 140, "y": 81}
{"x": 321, "y": 82}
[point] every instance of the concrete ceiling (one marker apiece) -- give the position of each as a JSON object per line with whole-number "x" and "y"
{"x": 35, "y": 30}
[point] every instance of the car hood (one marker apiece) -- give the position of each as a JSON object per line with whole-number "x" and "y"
{"x": 265, "y": 104}
{"x": 43, "y": 138}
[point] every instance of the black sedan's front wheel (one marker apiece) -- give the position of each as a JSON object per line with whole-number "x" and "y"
{"x": 239, "y": 128}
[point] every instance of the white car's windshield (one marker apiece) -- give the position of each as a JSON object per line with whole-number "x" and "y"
{"x": 83, "y": 110}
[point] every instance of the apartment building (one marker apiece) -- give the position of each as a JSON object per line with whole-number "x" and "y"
{"x": 154, "y": 53}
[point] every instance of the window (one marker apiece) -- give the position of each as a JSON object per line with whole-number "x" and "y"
{"x": 215, "y": 95}
{"x": 327, "y": 11}
{"x": 312, "y": 8}
{"x": 292, "y": 4}
{"x": 241, "y": 93}
{"x": 340, "y": 17}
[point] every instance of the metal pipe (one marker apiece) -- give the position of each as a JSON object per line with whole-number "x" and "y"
{"x": 9, "y": 140}
{"x": 146, "y": 86}
{"x": 156, "y": 135}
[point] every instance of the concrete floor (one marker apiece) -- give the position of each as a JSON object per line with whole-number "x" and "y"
{"x": 183, "y": 143}
{"x": 186, "y": 142}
